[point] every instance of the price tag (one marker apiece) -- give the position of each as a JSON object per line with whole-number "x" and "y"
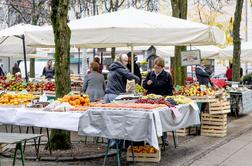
{"x": 70, "y": 93}
{"x": 24, "y": 83}
{"x": 178, "y": 87}
{"x": 24, "y": 91}
{"x": 203, "y": 88}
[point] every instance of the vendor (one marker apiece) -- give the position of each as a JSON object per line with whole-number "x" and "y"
{"x": 94, "y": 85}
{"x": 136, "y": 67}
{"x": 48, "y": 70}
{"x": 15, "y": 69}
{"x": 117, "y": 78}
{"x": 203, "y": 74}
{"x": 158, "y": 81}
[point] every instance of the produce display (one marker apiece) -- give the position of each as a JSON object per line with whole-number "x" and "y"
{"x": 154, "y": 99}
{"x": 143, "y": 149}
{"x": 152, "y": 96}
{"x": 195, "y": 90}
{"x": 139, "y": 89}
{"x": 16, "y": 99}
{"x": 157, "y": 101}
{"x": 76, "y": 100}
{"x": 127, "y": 106}
{"x": 179, "y": 99}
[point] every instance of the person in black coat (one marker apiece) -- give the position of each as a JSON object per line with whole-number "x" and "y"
{"x": 203, "y": 74}
{"x": 158, "y": 82}
{"x": 1, "y": 71}
{"x": 136, "y": 68}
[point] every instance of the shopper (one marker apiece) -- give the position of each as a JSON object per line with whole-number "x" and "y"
{"x": 94, "y": 85}
{"x": 203, "y": 74}
{"x": 15, "y": 69}
{"x": 158, "y": 81}
{"x": 117, "y": 78}
{"x": 97, "y": 60}
{"x": 229, "y": 73}
{"x": 1, "y": 70}
{"x": 48, "y": 70}
{"x": 136, "y": 68}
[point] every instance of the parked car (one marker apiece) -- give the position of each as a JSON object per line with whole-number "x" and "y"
{"x": 219, "y": 80}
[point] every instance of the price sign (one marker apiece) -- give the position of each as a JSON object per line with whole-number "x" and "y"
{"x": 203, "y": 88}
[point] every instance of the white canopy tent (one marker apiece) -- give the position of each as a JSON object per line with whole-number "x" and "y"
{"x": 246, "y": 52}
{"x": 131, "y": 27}
{"x": 12, "y": 42}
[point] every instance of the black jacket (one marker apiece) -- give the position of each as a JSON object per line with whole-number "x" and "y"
{"x": 203, "y": 75}
{"x": 136, "y": 71}
{"x": 162, "y": 84}
{"x": 1, "y": 72}
{"x": 117, "y": 78}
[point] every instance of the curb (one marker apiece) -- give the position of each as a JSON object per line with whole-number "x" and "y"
{"x": 217, "y": 145}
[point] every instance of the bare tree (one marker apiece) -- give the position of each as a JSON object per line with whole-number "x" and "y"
{"x": 237, "y": 41}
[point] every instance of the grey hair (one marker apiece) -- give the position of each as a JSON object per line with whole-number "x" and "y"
{"x": 119, "y": 58}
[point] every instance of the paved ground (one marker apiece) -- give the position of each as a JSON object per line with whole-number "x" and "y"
{"x": 234, "y": 149}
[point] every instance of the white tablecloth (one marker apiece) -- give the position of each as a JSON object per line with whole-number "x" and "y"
{"x": 38, "y": 118}
{"x": 135, "y": 125}
{"x": 117, "y": 124}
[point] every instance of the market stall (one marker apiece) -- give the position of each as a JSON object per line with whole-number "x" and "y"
{"x": 240, "y": 99}
{"x": 149, "y": 120}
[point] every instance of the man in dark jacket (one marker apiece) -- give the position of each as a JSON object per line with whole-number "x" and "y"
{"x": 136, "y": 68}
{"x": 203, "y": 74}
{"x": 1, "y": 71}
{"x": 117, "y": 78}
{"x": 158, "y": 81}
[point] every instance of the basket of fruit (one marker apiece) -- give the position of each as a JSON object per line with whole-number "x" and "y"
{"x": 143, "y": 153}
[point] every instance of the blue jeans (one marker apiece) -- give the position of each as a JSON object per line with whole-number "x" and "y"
{"x": 108, "y": 98}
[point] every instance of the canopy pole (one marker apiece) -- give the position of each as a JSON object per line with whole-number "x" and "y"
{"x": 78, "y": 60}
{"x": 132, "y": 58}
{"x": 25, "y": 64}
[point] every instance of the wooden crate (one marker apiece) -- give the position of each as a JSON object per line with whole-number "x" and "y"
{"x": 3, "y": 147}
{"x": 214, "y": 125}
{"x": 214, "y": 130}
{"x": 208, "y": 119}
{"x": 144, "y": 157}
{"x": 184, "y": 131}
{"x": 219, "y": 107}
{"x": 203, "y": 99}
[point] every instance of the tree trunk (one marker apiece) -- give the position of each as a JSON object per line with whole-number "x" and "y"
{"x": 32, "y": 67}
{"x": 113, "y": 50}
{"x": 61, "y": 139}
{"x": 179, "y": 10}
{"x": 237, "y": 41}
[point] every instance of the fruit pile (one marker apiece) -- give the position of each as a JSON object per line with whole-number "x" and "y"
{"x": 49, "y": 86}
{"x": 139, "y": 89}
{"x": 127, "y": 106}
{"x": 194, "y": 90}
{"x": 156, "y": 101}
{"x": 76, "y": 100}
{"x": 35, "y": 87}
{"x": 143, "y": 149}
{"x": 179, "y": 99}
{"x": 16, "y": 99}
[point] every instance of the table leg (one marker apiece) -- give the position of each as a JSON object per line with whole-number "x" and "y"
{"x": 133, "y": 156}
{"x": 15, "y": 156}
{"x": 48, "y": 138}
{"x": 174, "y": 139}
{"x": 106, "y": 153}
{"x": 19, "y": 147}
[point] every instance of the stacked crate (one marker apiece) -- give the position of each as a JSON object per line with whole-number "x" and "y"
{"x": 214, "y": 121}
